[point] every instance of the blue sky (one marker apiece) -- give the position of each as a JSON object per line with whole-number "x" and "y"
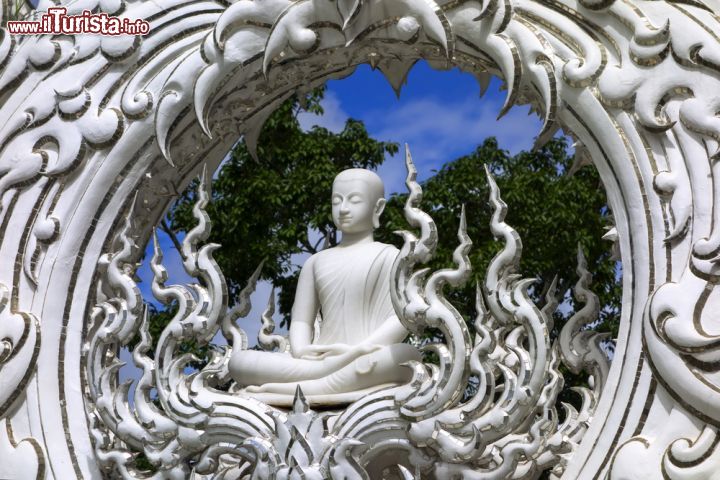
{"x": 439, "y": 114}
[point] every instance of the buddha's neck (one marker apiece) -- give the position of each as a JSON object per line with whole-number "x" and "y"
{"x": 349, "y": 239}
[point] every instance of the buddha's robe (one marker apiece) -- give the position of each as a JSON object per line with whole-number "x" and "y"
{"x": 354, "y": 292}
{"x": 353, "y": 289}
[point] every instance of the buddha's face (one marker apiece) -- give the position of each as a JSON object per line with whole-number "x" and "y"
{"x": 356, "y": 205}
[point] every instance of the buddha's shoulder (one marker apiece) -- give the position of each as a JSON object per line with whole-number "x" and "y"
{"x": 387, "y": 248}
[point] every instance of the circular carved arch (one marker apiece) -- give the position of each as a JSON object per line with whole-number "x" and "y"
{"x": 93, "y": 123}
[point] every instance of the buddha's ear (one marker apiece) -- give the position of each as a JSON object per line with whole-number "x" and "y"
{"x": 379, "y": 207}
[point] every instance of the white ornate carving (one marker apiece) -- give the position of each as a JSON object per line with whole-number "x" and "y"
{"x": 508, "y": 428}
{"x": 580, "y": 347}
{"x": 87, "y": 122}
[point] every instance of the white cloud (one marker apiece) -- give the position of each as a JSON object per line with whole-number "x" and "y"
{"x": 333, "y": 119}
{"x": 439, "y": 132}
{"x": 393, "y": 171}
{"x": 436, "y": 131}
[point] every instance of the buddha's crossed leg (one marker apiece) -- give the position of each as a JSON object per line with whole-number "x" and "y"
{"x": 382, "y": 366}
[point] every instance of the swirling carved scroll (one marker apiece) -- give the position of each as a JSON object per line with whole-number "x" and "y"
{"x": 19, "y": 349}
{"x": 636, "y": 81}
{"x": 509, "y": 425}
{"x": 579, "y": 345}
{"x": 189, "y": 417}
{"x": 507, "y": 428}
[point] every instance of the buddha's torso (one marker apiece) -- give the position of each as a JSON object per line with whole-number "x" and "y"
{"x": 353, "y": 287}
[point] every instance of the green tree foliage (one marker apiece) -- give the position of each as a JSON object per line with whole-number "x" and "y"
{"x": 552, "y": 211}
{"x": 263, "y": 209}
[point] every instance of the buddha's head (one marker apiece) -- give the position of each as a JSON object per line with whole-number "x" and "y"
{"x": 358, "y": 199}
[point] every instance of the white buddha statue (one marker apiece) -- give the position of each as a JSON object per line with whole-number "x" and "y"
{"x": 359, "y": 345}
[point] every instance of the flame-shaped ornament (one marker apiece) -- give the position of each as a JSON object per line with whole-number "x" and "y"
{"x": 185, "y": 424}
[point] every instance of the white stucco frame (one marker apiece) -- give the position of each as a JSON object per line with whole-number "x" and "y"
{"x": 89, "y": 123}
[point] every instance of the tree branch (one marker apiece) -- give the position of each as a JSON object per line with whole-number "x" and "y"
{"x": 178, "y": 246}
{"x": 325, "y": 239}
{"x": 308, "y": 248}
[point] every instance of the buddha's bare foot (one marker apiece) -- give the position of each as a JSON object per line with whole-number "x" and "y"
{"x": 365, "y": 364}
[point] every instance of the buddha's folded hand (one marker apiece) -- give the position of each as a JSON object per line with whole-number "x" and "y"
{"x": 318, "y": 352}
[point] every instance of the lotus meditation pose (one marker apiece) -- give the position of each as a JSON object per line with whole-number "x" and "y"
{"x": 358, "y": 347}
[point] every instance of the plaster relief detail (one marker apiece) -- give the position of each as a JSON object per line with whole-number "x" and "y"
{"x": 507, "y": 428}
{"x": 87, "y": 124}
